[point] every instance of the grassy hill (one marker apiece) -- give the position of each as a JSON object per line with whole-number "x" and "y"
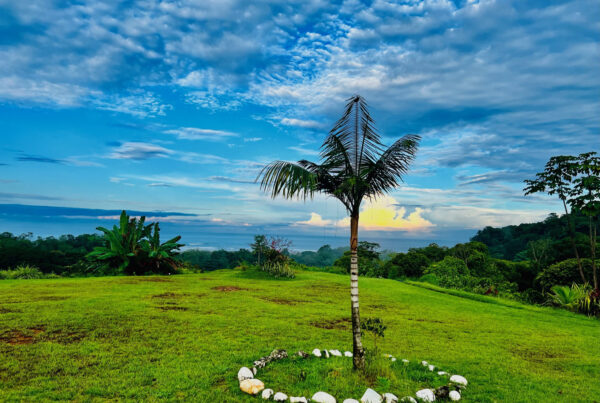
{"x": 184, "y": 337}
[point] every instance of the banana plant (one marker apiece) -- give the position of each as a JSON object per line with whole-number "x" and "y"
{"x": 123, "y": 245}
{"x": 160, "y": 255}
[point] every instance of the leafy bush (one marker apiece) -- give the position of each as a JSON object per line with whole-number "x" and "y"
{"x": 411, "y": 264}
{"x": 563, "y": 273}
{"x": 279, "y": 269}
{"x": 448, "y": 269}
{"x": 134, "y": 248}
{"x": 576, "y": 298}
{"x": 25, "y": 272}
{"x": 430, "y": 278}
{"x": 567, "y": 297}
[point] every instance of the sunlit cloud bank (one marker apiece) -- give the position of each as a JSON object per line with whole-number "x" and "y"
{"x": 381, "y": 214}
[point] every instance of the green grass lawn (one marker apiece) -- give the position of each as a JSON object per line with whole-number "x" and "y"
{"x": 185, "y": 337}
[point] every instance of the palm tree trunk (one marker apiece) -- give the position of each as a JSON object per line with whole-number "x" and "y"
{"x": 358, "y": 351}
{"x": 593, "y": 252}
{"x": 572, "y": 236}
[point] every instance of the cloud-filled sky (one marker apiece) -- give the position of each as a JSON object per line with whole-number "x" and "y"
{"x": 174, "y": 106}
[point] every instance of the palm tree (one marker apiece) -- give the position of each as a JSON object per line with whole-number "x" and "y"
{"x": 354, "y": 166}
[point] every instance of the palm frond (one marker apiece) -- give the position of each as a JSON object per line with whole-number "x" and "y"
{"x": 288, "y": 179}
{"x": 357, "y": 134}
{"x": 387, "y": 172}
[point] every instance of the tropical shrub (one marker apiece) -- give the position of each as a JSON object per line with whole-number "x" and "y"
{"x": 450, "y": 267}
{"x": 410, "y": 264}
{"x": 22, "y": 272}
{"x": 563, "y": 273}
{"x": 570, "y": 298}
{"x": 134, "y": 248}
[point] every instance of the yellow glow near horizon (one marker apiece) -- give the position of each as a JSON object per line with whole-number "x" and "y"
{"x": 382, "y": 214}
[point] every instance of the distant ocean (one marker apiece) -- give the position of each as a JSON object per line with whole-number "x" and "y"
{"x": 223, "y": 237}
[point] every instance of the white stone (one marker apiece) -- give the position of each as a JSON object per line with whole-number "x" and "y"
{"x": 431, "y": 367}
{"x": 454, "y": 395}
{"x": 245, "y": 373}
{"x": 298, "y": 400}
{"x": 322, "y": 397}
{"x": 408, "y": 399}
{"x": 347, "y": 353}
{"x": 442, "y": 373}
{"x": 267, "y": 393}
{"x": 424, "y": 363}
{"x": 280, "y": 397}
{"x": 351, "y": 401}
{"x": 336, "y": 353}
{"x": 316, "y": 352}
{"x": 426, "y": 395}
{"x": 326, "y": 353}
{"x": 371, "y": 396}
{"x": 404, "y": 360}
{"x": 390, "y": 398}
{"x": 393, "y": 359}
{"x": 254, "y": 370}
{"x": 252, "y": 386}
{"x": 458, "y": 379}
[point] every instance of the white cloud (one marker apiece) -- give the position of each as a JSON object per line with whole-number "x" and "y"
{"x": 307, "y": 124}
{"x": 139, "y": 151}
{"x": 195, "y": 133}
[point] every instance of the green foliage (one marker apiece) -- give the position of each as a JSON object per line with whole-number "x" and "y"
{"x": 562, "y": 273}
{"x": 374, "y": 326}
{"x": 216, "y": 260}
{"x": 508, "y": 242}
{"x": 568, "y": 297}
{"x": 368, "y": 260}
{"x": 410, "y": 264}
{"x": 50, "y": 255}
{"x": 323, "y": 257}
{"x": 25, "y": 272}
{"x": 450, "y": 267}
{"x": 430, "y": 278}
{"x": 134, "y": 248}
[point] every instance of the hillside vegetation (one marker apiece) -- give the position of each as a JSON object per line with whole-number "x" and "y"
{"x": 185, "y": 337}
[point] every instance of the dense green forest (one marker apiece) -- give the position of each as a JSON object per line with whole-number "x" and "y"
{"x": 514, "y": 242}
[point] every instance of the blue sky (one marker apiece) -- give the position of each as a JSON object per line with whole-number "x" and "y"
{"x": 173, "y": 107}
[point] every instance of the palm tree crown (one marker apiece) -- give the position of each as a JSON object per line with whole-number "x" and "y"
{"x": 354, "y": 163}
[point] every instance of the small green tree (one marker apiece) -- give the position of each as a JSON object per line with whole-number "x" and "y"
{"x": 585, "y": 197}
{"x": 556, "y": 180}
{"x": 259, "y": 247}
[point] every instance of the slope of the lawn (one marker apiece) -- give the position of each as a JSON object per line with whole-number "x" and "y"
{"x": 185, "y": 337}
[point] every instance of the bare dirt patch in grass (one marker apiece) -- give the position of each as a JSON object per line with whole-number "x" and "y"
{"x": 426, "y": 320}
{"x": 172, "y": 308}
{"x": 228, "y": 288}
{"x": 536, "y": 355}
{"x": 18, "y": 338}
{"x": 338, "y": 324}
{"x": 170, "y": 295}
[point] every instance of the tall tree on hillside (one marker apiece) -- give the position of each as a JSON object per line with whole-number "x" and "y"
{"x": 355, "y": 165}
{"x": 556, "y": 180}
{"x": 259, "y": 247}
{"x": 586, "y": 198}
